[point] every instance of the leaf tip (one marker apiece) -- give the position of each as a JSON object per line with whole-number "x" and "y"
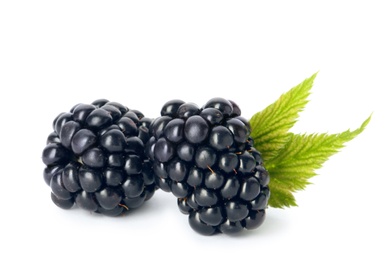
{"x": 366, "y": 122}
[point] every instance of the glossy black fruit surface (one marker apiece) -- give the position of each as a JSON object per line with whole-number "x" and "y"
{"x": 206, "y": 158}
{"x": 95, "y": 158}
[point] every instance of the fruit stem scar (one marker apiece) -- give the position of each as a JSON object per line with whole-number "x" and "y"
{"x": 124, "y": 206}
{"x": 80, "y": 160}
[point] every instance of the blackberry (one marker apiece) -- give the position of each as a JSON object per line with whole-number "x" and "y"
{"x": 206, "y": 158}
{"x": 95, "y": 158}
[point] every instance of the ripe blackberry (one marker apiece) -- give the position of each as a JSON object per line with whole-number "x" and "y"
{"x": 95, "y": 158}
{"x": 205, "y": 157}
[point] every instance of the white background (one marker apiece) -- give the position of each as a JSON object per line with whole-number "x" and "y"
{"x": 55, "y": 54}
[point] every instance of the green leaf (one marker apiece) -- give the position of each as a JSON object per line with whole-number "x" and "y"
{"x": 270, "y": 127}
{"x": 292, "y": 159}
{"x": 293, "y": 166}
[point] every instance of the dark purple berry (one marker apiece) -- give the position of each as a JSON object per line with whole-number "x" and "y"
{"x": 96, "y": 158}
{"x": 134, "y": 145}
{"x": 212, "y": 116}
{"x": 246, "y": 162}
{"x": 90, "y": 179}
{"x": 255, "y": 219}
{"x": 133, "y": 116}
{"x": 187, "y": 110}
{"x": 214, "y": 180}
{"x": 53, "y": 138}
{"x": 236, "y": 109}
{"x": 108, "y": 198}
{"x": 228, "y": 162}
{"x": 134, "y": 164}
{"x": 207, "y": 159}
{"x": 116, "y": 160}
{"x": 67, "y": 132}
{"x": 70, "y": 178}
{"x": 127, "y": 126}
{"x": 136, "y": 202}
{"x": 260, "y": 202}
{"x": 221, "y": 138}
{"x": 186, "y": 151}
{"x": 50, "y": 171}
{"x": 100, "y": 102}
{"x": 195, "y": 177}
{"x": 62, "y": 203}
{"x": 144, "y": 134}
{"x": 160, "y": 170}
{"x": 150, "y": 148}
{"x": 183, "y": 206}
{"x": 221, "y": 104}
{"x": 82, "y": 140}
{"x": 113, "y": 111}
{"x": 211, "y": 216}
{"x": 118, "y": 210}
{"x": 86, "y": 200}
{"x": 158, "y": 125}
{"x": 113, "y": 141}
{"x": 238, "y": 129}
{"x": 235, "y": 210}
{"x": 229, "y": 227}
{"x": 149, "y": 191}
{"x": 177, "y": 170}
{"x": 199, "y": 226}
{"x": 205, "y": 197}
{"x": 248, "y": 127}
{"x": 180, "y": 189}
{"x": 171, "y": 108}
{"x": 58, "y": 188}
{"x": 60, "y": 121}
{"x": 174, "y": 130}
{"x": 192, "y": 202}
{"x": 106, "y": 129}
{"x": 196, "y": 129}
{"x": 119, "y": 106}
{"x": 164, "y": 150}
{"x": 139, "y": 114}
{"x": 230, "y": 188}
{"x": 133, "y": 186}
{"x": 114, "y": 176}
{"x": 148, "y": 173}
{"x": 250, "y": 189}
{"x": 82, "y": 111}
{"x": 98, "y": 118}
{"x": 163, "y": 184}
{"x": 262, "y": 175}
{"x": 146, "y": 122}
{"x": 54, "y": 154}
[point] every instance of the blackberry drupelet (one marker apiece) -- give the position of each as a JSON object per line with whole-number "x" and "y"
{"x": 95, "y": 158}
{"x": 206, "y": 158}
